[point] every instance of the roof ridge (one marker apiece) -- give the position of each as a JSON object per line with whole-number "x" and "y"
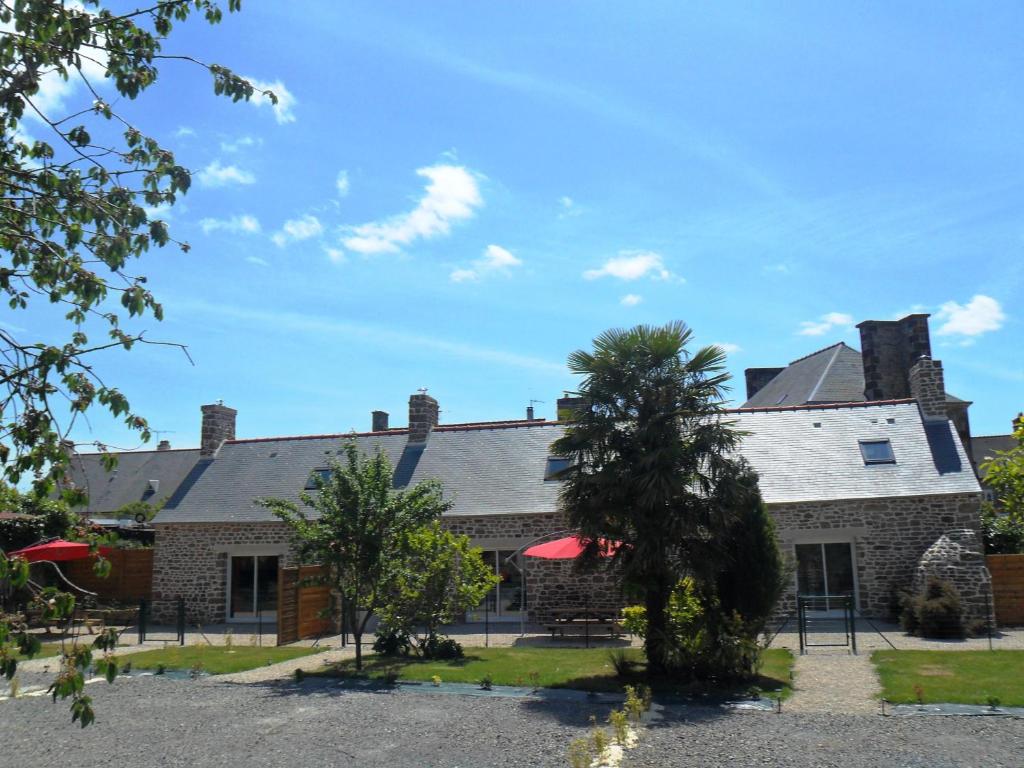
{"x": 824, "y": 373}
{"x": 147, "y": 450}
{"x": 507, "y": 424}
{"x": 822, "y": 406}
{"x": 823, "y": 349}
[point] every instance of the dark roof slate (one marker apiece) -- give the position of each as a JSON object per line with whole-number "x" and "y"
{"x": 131, "y": 480}
{"x": 834, "y": 374}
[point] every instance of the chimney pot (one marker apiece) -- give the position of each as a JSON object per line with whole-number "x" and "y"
{"x": 218, "y": 426}
{"x": 164, "y": 445}
{"x": 379, "y": 421}
{"x": 423, "y": 416}
{"x": 529, "y": 413}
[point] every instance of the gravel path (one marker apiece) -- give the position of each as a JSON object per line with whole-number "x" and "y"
{"x": 834, "y": 682}
{"x": 705, "y": 737}
{"x": 159, "y": 722}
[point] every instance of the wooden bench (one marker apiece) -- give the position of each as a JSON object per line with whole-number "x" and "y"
{"x": 574, "y": 623}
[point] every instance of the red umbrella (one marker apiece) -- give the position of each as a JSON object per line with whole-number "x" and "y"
{"x": 56, "y": 551}
{"x": 569, "y": 548}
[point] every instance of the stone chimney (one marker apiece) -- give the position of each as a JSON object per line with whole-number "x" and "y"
{"x": 928, "y": 387}
{"x": 757, "y": 378}
{"x": 566, "y": 407}
{"x": 889, "y": 349}
{"x": 423, "y": 412}
{"x": 218, "y": 426}
{"x": 379, "y": 421}
{"x": 164, "y": 445}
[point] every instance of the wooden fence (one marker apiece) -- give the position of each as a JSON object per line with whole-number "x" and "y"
{"x": 130, "y": 579}
{"x": 1007, "y": 588}
{"x": 300, "y": 602}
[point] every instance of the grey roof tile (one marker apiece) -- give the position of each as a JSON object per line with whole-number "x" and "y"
{"x": 834, "y": 374}
{"x": 109, "y": 491}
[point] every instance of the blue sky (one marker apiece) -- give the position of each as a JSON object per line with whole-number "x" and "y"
{"x": 455, "y": 195}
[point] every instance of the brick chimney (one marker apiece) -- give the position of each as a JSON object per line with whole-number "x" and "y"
{"x": 379, "y": 421}
{"x": 218, "y": 426}
{"x": 423, "y": 412}
{"x": 757, "y": 378}
{"x": 928, "y": 387}
{"x": 889, "y": 349}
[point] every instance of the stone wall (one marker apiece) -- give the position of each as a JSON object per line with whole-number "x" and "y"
{"x": 927, "y": 386}
{"x": 957, "y": 556}
{"x": 191, "y": 561}
{"x": 889, "y": 536}
{"x": 551, "y": 585}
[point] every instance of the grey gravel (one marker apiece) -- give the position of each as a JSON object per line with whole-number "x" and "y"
{"x": 160, "y": 722}
{"x": 708, "y": 737}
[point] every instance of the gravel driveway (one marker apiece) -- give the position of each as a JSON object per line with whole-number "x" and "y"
{"x": 162, "y": 722}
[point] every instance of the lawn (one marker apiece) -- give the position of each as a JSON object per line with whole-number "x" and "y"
{"x": 953, "y": 677}
{"x": 586, "y": 669}
{"x": 215, "y": 659}
{"x": 48, "y": 649}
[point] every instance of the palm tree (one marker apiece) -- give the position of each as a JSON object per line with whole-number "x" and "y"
{"x": 651, "y": 464}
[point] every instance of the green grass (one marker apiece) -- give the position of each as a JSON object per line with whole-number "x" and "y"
{"x": 585, "y": 669}
{"x": 215, "y": 659}
{"x": 47, "y": 650}
{"x": 953, "y": 677}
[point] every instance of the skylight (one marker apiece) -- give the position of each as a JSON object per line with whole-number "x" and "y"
{"x": 877, "y": 452}
{"x": 555, "y": 466}
{"x": 323, "y": 474}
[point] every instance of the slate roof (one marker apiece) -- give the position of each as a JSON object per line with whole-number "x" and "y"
{"x": 984, "y": 447}
{"x": 492, "y": 469}
{"x": 834, "y": 374}
{"x": 130, "y": 481}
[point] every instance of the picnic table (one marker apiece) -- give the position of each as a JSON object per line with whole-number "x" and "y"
{"x": 574, "y": 622}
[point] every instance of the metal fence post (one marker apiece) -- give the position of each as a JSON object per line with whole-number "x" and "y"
{"x": 487, "y": 621}
{"x": 181, "y": 621}
{"x": 800, "y": 623}
{"x": 988, "y": 615}
{"x": 259, "y": 624}
{"x": 142, "y": 621}
{"x": 853, "y": 625}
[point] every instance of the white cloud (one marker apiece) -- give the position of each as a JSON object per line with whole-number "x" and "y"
{"x": 494, "y": 260}
{"x": 781, "y": 268}
{"x": 302, "y": 228}
{"x": 154, "y": 212}
{"x": 980, "y": 315}
{"x": 452, "y": 195}
{"x": 285, "y": 100}
{"x": 240, "y": 143}
{"x": 336, "y": 255}
{"x": 631, "y": 265}
{"x": 242, "y": 224}
{"x": 342, "y": 183}
{"x": 568, "y": 207}
{"x": 217, "y": 175}
{"x": 184, "y": 131}
{"x": 728, "y": 347}
{"x": 631, "y": 300}
{"x": 825, "y": 324}
{"x": 257, "y": 261}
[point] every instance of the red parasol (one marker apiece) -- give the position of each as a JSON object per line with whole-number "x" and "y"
{"x": 569, "y": 548}
{"x": 56, "y": 551}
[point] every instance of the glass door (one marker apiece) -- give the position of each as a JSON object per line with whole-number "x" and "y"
{"x": 252, "y": 587}
{"x": 505, "y": 601}
{"x": 825, "y": 571}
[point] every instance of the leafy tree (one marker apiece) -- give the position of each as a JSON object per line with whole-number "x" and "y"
{"x": 438, "y": 577}
{"x": 1004, "y": 474}
{"x": 357, "y": 526}
{"x": 44, "y": 519}
{"x": 653, "y": 466}
{"x": 1003, "y": 534}
{"x": 73, "y": 217}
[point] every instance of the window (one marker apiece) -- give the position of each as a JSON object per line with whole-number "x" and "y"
{"x": 555, "y": 466}
{"x": 323, "y": 474}
{"x": 877, "y": 452}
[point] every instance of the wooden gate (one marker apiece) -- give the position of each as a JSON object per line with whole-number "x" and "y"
{"x": 1007, "y": 588}
{"x": 301, "y": 601}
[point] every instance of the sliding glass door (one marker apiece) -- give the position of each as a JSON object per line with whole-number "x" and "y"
{"x": 825, "y": 572}
{"x": 252, "y": 587}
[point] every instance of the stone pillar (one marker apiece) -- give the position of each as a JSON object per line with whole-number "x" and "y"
{"x": 380, "y": 421}
{"x": 957, "y": 557}
{"x": 218, "y": 426}
{"x": 423, "y": 416}
{"x": 928, "y": 387}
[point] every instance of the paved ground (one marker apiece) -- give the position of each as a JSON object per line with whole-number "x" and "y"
{"x": 877, "y": 635}
{"x": 834, "y": 682}
{"x": 163, "y": 723}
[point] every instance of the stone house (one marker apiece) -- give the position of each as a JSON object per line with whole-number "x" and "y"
{"x": 861, "y": 489}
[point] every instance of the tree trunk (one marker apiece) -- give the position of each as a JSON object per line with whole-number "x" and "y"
{"x": 357, "y": 635}
{"x": 656, "y": 643}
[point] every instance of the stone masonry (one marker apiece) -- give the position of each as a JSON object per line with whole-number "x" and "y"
{"x": 218, "y": 426}
{"x": 191, "y": 561}
{"x": 958, "y": 557}
{"x": 927, "y": 386}
{"x": 889, "y": 536}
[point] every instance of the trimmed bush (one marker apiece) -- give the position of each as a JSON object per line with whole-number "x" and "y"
{"x": 935, "y": 612}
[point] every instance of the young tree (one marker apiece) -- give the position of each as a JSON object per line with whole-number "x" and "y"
{"x": 653, "y": 466}
{"x": 1004, "y": 473}
{"x": 357, "y": 526}
{"x": 438, "y": 577}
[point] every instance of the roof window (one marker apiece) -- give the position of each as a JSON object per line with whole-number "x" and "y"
{"x": 318, "y": 476}
{"x": 877, "y": 452}
{"x": 555, "y": 466}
